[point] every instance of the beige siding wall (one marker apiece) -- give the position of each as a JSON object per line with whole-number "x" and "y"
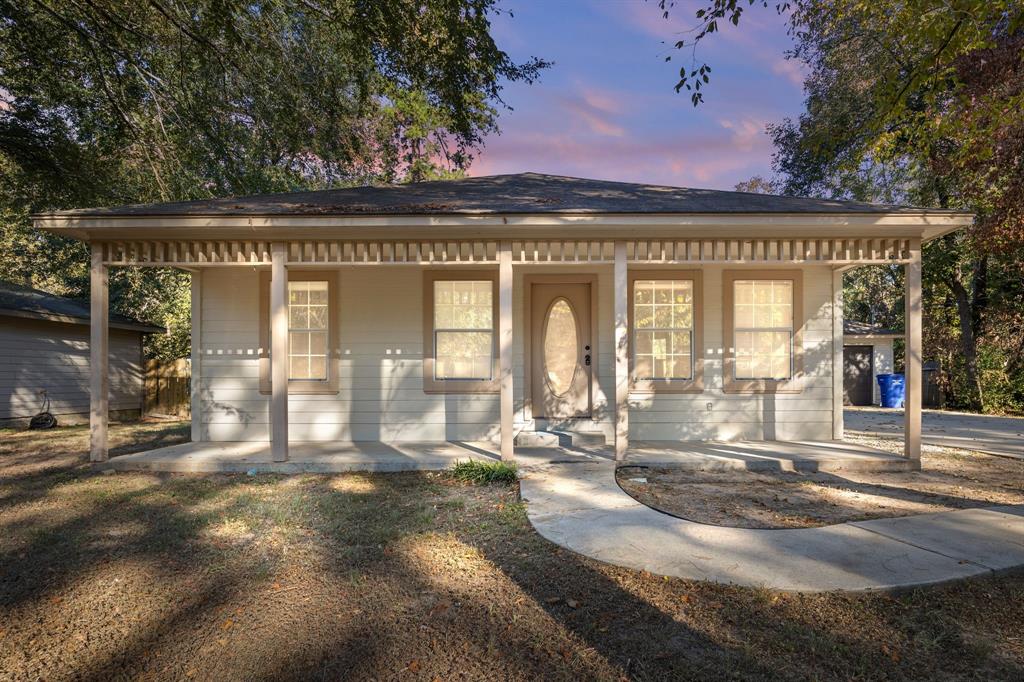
{"x": 715, "y": 415}
{"x": 36, "y": 354}
{"x": 381, "y": 392}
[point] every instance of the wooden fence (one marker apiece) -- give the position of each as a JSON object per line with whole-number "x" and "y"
{"x": 167, "y": 387}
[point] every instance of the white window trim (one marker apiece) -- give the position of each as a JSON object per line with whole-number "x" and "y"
{"x": 432, "y": 384}
{"x": 732, "y": 384}
{"x": 695, "y": 384}
{"x": 326, "y": 331}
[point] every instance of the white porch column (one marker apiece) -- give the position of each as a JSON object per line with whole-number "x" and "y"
{"x": 279, "y": 353}
{"x": 196, "y": 340}
{"x": 837, "y": 355}
{"x": 912, "y": 354}
{"x": 99, "y": 355}
{"x": 505, "y": 346}
{"x": 620, "y": 292}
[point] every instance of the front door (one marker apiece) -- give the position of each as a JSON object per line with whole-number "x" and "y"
{"x": 560, "y": 351}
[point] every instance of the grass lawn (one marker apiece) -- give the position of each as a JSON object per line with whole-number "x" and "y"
{"x": 406, "y": 576}
{"x": 950, "y": 479}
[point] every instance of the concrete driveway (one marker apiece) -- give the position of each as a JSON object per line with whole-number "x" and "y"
{"x": 1002, "y": 436}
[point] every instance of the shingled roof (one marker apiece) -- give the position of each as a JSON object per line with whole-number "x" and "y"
{"x": 19, "y": 301}
{"x": 854, "y": 328}
{"x": 522, "y": 193}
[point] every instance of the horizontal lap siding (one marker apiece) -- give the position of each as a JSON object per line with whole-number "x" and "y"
{"x": 803, "y": 416}
{"x": 381, "y": 394}
{"x": 37, "y": 354}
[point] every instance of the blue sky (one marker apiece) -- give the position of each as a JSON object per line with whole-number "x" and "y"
{"x": 607, "y": 108}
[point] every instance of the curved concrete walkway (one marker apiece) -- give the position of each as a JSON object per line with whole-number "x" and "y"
{"x": 580, "y": 506}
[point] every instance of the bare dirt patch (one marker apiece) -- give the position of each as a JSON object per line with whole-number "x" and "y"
{"x": 949, "y": 479}
{"x": 408, "y": 577}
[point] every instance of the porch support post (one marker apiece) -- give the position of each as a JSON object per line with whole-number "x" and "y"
{"x": 99, "y": 354}
{"x": 279, "y": 353}
{"x": 196, "y": 341}
{"x": 505, "y": 346}
{"x": 620, "y": 292}
{"x": 912, "y": 355}
{"x": 837, "y": 355}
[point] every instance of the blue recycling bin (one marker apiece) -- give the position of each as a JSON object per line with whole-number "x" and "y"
{"x": 893, "y": 389}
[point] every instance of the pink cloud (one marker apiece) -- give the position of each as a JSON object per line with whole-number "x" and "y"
{"x": 792, "y": 70}
{"x": 747, "y": 134}
{"x": 594, "y": 108}
{"x": 689, "y": 160}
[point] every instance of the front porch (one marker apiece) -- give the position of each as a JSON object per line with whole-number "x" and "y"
{"x": 381, "y": 387}
{"x": 307, "y": 457}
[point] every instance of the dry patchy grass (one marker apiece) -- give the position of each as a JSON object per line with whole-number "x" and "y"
{"x": 407, "y": 576}
{"x": 949, "y": 480}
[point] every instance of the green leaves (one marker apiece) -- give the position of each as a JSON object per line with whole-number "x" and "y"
{"x": 112, "y": 102}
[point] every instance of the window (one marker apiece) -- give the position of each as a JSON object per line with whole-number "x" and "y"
{"x": 663, "y": 329}
{"x": 666, "y": 338}
{"x": 459, "y": 314}
{"x": 313, "y": 338}
{"x": 763, "y": 329}
{"x": 307, "y": 331}
{"x": 463, "y": 329}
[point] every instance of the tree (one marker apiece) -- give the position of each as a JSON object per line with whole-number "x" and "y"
{"x": 756, "y": 185}
{"x": 108, "y": 102}
{"x": 919, "y": 103}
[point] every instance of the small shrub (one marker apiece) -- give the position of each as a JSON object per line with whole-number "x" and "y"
{"x": 484, "y": 473}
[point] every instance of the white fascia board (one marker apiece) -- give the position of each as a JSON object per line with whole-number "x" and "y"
{"x": 273, "y": 227}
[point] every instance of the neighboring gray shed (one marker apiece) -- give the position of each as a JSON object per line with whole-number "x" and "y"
{"x": 44, "y": 346}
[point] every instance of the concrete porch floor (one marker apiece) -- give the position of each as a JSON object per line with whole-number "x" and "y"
{"x": 308, "y": 457}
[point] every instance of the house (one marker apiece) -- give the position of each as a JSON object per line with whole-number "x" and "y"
{"x": 867, "y": 352}
{"x": 507, "y": 307}
{"x": 44, "y": 358}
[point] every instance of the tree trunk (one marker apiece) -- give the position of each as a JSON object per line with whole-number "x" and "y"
{"x": 968, "y": 337}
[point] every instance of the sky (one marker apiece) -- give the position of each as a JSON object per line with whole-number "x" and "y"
{"x": 608, "y": 109}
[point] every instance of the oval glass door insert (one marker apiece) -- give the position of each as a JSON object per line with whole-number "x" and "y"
{"x": 561, "y": 347}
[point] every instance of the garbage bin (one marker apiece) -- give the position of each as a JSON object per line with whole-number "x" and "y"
{"x": 892, "y": 388}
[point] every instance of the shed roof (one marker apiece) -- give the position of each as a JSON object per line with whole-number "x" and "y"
{"x": 854, "y": 328}
{"x": 20, "y": 301}
{"x": 521, "y": 193}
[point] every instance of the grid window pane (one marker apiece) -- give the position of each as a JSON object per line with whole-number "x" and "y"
{"x": 298, "y": 367}
{"x": 463, "y": 355}
{"x": 298, "y": 316}
{"x": 463, "y": 329}
{"x": 318, "y": 343}
{"x": 463, "y": 305}
{"x": 763, "y": 329}
{"x": 308, "y": 320}
{"x": 663, "y": 329}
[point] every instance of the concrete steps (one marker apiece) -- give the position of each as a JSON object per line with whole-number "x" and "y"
{"x": 552, "y": 438}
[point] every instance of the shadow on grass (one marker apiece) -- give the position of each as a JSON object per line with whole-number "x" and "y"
{"x": 408, "y": 575}
{"x": 802, "y": 497}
